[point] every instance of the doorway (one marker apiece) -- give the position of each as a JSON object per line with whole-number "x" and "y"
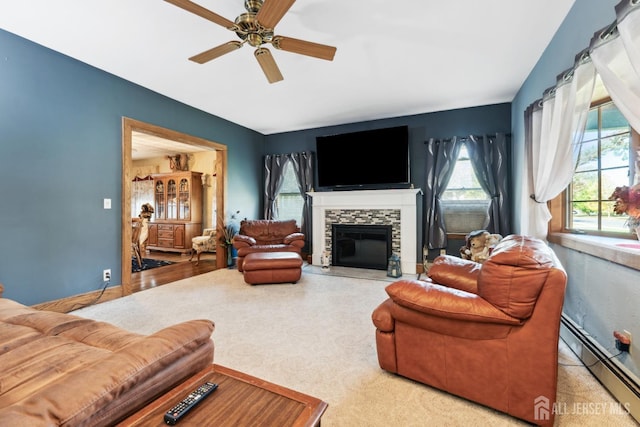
{"x": 129, "y": 126}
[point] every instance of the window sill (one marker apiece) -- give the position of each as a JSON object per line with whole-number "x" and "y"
{"x": 607, "y": 248}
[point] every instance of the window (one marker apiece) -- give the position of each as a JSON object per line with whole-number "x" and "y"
{"x": 605, "y": 162}
{"x": 464, "y": 202}
{"x": 289, "y": 202}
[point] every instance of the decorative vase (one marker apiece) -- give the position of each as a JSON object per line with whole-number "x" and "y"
{"x": 229, "y": 256}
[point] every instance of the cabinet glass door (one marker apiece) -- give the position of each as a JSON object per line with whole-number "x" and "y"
{"x": 183, "y": 199}
{"x": 159, "y": 199}
{"x": 171, "y": 199}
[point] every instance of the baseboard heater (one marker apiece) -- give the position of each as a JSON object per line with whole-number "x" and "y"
{"x": 622, "y": 384}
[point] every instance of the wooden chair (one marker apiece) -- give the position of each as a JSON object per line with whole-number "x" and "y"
{"x": 136, "y": 229}
{"x": 204, "y": 243}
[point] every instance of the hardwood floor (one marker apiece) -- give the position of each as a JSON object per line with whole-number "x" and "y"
{"x": 182, "y": 269}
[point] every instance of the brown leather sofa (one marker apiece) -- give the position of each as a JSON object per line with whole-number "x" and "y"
{"x": 59, "y": 369}
{"x": 486, "y": 332}
{"x": 261, "y": 235}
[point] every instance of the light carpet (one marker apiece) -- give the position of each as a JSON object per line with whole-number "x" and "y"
{"x": 317, "y": 337}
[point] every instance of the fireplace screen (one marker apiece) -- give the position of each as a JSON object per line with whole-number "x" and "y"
{"x": 361, "y": 246}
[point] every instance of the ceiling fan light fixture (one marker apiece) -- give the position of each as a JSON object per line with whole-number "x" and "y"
{"x": 254, "y": 39}
{"x": 268, "y": 65}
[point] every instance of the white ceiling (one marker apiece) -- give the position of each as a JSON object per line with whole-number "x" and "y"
{"x": 394, "y": 58}
{"x": 146, "y": 146}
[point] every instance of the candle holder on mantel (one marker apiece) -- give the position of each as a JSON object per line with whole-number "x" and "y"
{"x": 394, "y": 268}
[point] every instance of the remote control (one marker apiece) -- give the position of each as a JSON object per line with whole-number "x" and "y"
{"x": 173, "y": 415}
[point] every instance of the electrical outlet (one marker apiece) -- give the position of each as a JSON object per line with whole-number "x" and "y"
{"x": 443, "y": 251}
{"x": 623, "y": 340}
{"x": 106, "y": 275}
{"x": 628, "y": 334}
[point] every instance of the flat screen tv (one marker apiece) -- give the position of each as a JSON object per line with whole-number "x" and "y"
{"x": 370, "y": 159}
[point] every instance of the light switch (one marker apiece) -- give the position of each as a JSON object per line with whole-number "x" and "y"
{"x": 107, "y": 203}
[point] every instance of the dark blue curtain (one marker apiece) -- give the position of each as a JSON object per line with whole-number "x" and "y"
{"x": 274, "y": 166}
{"x": 490, "y": 160}
{"x": 440, "y": 162}
{"x": 303, "y": 168}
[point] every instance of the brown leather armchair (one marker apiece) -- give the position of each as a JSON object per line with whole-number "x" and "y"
{"x": 486, "y": 332}
{"x": 261, "y": 235}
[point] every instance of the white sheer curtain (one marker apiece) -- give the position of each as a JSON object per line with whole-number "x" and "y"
{"x": 141, "y": 193}
{"x": 555, "y": 126}
{"x": 615, "y": 52}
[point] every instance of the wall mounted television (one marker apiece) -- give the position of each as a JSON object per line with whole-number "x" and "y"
{"x": 370, "y": 159}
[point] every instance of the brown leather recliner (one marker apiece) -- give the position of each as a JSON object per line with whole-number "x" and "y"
{"x": 486, "y": 332}
{"x": 261, "y": 235}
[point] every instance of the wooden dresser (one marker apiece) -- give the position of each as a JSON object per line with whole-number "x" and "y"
{"x": 178, "y": 211}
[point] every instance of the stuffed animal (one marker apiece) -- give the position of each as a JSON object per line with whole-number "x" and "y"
{"x": 479, "y": 245}
{"x": 492, "y": 241}
{"x": 146, "y": 211}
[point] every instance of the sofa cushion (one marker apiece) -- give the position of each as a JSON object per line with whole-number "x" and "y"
{"x": 513, "y": 276}
{"x": 246, "y": 250}
{"x": 267, "y": 232}
{"x": 455, "y": 272}
{"x": 61, "y": 369}
{"x": 442, "y": 301}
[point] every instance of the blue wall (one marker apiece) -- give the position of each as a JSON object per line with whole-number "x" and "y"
{"x": 574, "y": 35}
{"x": 60, "y": 139}
{"x": 61, "y": 151}
{"x": 601, "y": 296}
{"x": 444, "y": 124}
{"x": 477, "y": 120}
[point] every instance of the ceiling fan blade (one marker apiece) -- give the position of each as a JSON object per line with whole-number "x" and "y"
{"x": 303, "y": 47}
{"x": 272, "y": 12}
{"x": 202, "y": 12}
{"x": 216, "y": 52}
{"x": 268, "y": 65}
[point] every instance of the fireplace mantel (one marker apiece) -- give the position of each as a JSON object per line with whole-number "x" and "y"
{"x": 404, "y": 200}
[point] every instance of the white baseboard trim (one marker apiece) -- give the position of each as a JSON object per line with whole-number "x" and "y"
{"x": 622, "y": 384}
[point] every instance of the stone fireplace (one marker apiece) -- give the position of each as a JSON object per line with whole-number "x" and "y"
{"x": 396, "y": 208}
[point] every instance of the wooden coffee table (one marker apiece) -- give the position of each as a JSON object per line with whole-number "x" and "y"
{"x": 240, "y": 400}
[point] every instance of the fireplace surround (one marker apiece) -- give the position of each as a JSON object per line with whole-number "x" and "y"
{"x": 397, "y": 208}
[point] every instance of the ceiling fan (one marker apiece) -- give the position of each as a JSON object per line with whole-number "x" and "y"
{"x": 256, "y": 27}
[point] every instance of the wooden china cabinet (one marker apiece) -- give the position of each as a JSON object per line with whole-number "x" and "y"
{"x": 178, "y": 211}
